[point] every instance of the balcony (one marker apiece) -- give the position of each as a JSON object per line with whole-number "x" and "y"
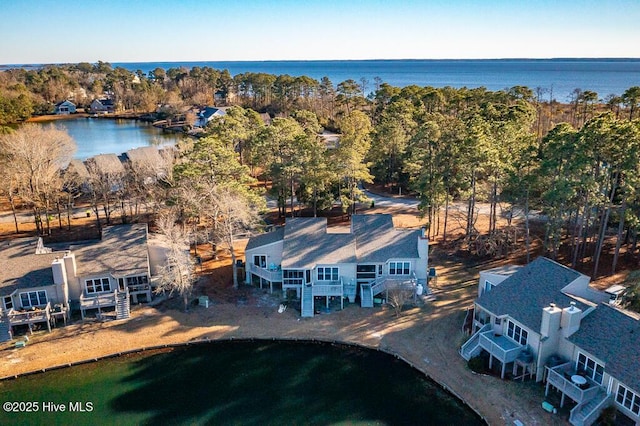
{"x": 271, "y": 274}
{"x": 30, "y": 316}
{"x": 103, "y": 300}
{"x": 331, "y": 288}
{"x": 500, "y": 347}
{"x": 560, "y": 377}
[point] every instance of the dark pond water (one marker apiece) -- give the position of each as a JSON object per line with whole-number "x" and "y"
{"x": 240, "y": 383}
{"x": 112, "y": 136}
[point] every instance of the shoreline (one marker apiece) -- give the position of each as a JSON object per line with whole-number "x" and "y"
{"x": 254, "y": 339}
{"x": 404, "y": 337}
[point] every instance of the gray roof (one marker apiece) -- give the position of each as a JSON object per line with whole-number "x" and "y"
{"x": 77, "y": 167}
{"x": 613, "y": 337}
{"x": 524, "y": 294}
{"x": 378, "y": 241}
{"x": 307, "y": 243}
{"x": 373, "y": 238}
{"x": 105, "y": 164}
{"x": 22, "y": 267}
{"x": 266, "y": 238}
{"x": 121, "y": 251}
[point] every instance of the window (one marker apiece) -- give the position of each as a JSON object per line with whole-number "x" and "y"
{"x": 488, "y": 285}
{"x": 399, "y": 268}
{"x": 628, "y": 399}
{"x": 98, "y": 285}
{"x": 33, "y": 298}
{"x": 260, "y": 260}
{"x": 327, "y": 274}
{"x": 139, "y": 280}
{"x": 8, "y": 302}
{"x": 292, "y": 277}
{"x": 594, "y": 370}
{"x": 517, "y": 333}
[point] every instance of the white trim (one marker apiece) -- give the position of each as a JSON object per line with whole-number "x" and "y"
{"x": 97, "y": 282}
{"x": 595, "y": 369}
{"x": 37, "y": 293}
{"x": 634, "y": 401}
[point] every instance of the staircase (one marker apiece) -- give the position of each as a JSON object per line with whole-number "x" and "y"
{"x": 5, "y": 329}
{"x": 307, "y": 301}
{"x": 123, "y": 307}
{"x": 366, "y": 296}
{"x": 471, "y": 347}
{"x": 587, "y": 413}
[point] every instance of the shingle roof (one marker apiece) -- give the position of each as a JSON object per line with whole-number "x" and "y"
{"x": 373, "y": 238}
{"x": 307, "y": 243}
{"x": 524, "y": 294}
{"x": 266, "y": 238}
{"x": 613, "y": 337}
{"x": 121, "y": 251}
{"x": 378, "y": 241}
{"x": 22, "y": 267}
{"x": 106, "y": 163}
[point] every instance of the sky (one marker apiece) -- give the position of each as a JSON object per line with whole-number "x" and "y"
{"x": 71, "y": 31}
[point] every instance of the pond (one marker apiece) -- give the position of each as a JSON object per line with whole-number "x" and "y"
{"x": 95, "y": 136}
{"x": 237, "y": 382}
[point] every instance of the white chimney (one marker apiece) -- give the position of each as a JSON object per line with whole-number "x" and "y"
{"x": 59, "y": 273}
{"x": 571, "y": 317}
{"x": 551, "y": 316}
{"x": 423, "y": 244}
{"x": 70, "y": 263}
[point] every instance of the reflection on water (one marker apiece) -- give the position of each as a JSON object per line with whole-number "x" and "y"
{"x": 242, "y": 383}
{"x": 112, "y": 136}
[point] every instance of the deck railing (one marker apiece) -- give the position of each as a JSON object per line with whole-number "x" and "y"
{"x": 560, "y": 378}
{"x": 494, "y": 348}
{"x": 334, "y": 288}
{"x": 98, "y": 301}
{"x": 267, "y": 274}
{"x": 30, "y": 316}
{"x": 470, "y": 346}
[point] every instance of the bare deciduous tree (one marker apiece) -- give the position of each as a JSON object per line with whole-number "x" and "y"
{"x": 179, "y": 274}
{"x": 36, "y": 155}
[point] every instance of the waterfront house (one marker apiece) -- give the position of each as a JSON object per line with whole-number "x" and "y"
{"x": 305, "y": 257}
{"x": 207, "y": 114}
{"x": 101, "y": 106}
{"x": 543, "y": 320}
{"x": 64, "y": 108}
{"x": 39, "y": 285}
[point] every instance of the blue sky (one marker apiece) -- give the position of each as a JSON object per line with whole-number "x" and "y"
{"x": 44, "y": 31}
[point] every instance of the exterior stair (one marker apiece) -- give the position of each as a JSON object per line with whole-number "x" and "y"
{"x": 307, "y": 301}
{"x": 587, "y": 413}
{"x": 123, "y": 305}
{"x": 5, "y": 329}
{"x": 366, "y": 296}
{"x": 471, "y": 347}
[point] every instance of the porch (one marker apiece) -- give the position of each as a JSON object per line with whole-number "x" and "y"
{"x": 571, "y": 383}
{"x": 99, "y": 302}
{"x": 30, "y": 317}
{"x": 501, "y": 348}
{"x": 269, "y": 275}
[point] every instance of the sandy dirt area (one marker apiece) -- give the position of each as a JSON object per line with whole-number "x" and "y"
{"x": 427, "y": 335}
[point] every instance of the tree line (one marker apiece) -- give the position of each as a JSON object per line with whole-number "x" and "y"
{"x": 575, "y": 164}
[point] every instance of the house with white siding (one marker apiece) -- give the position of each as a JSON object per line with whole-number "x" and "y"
{"x": 39, "y": 286}
{"x": 305, "y": 257}
{"x": 543, "y": 320}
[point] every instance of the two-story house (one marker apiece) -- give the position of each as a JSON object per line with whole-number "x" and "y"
{"x": 39, "y": 285}
{"x": 544, "y": 320}
{"x": 305, "y": 257}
